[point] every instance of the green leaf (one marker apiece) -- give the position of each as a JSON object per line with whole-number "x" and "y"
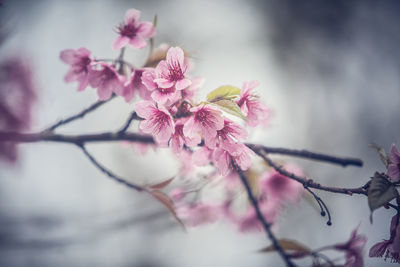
{"x": 287, "y": 245}
{"x": 382, "y": 154}
{"x": 380, "y": 192}
{"x": 230, "y": 107}
{"x": 223, "y": 92}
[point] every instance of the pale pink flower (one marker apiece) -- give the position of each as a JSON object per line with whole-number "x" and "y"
{"x": 237, "y": 152}
{"x": 179, "y": 139}
{"x": 353, "y": 249}
{"x": 157, "y": 121}
{"x": 159, "y": 94}
{"x": 202, "y": 156}
{"x": 171, "y": 72}
{"x": 206, "y": 121}
{"x": 199, "y": 213}
{"x": 133, "y": 31}
{"x": 230, "y": 133}
{"x": 177, "y": 194}
{"x": 186, "y": 163}
{"x": 251, "y": 107}
{"x": 393, "y": 170}
{"x": 251, "y": 222}
{"x": 281, "y": 188}
{"x": 80, "y": 63}
{"x": 106, "y": 79}
{"x": 391, "y": 246}
{"x": 190, "y": 92}
{"x": 17, "y": 96}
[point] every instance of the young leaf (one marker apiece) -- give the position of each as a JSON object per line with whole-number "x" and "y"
{"x": 380, "y": 192}
{"x": 167, "y": 202}
{"x": 223, "y": 92}
{"x": 230, "y": 107}
{"x": 162, "y": 184}
{"x": 288, "y": 245}
{"x": 382, "y": 154}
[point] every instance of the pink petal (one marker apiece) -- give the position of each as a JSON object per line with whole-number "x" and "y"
{"x": 393, "y": 172}
{"x": 138, "y": 42}
{"x": 83, "y": 83}
{"x": 146, "y": 29}
{"x": 378, "y": 249}
{"x": 120, "y": 42}
{"x": 394, "y": 154}
{"x": 68, "y": 56}
{"x": 164, "y": 83}
{"x": 148, "y": 80}
{"x": 145, "y": 109}
{"x": 175, "y": 54}
{"x": 104, "y": 92}
{"x": 147, "y": 126}
{"x": 132, "y": 15}
{"x": 182, "y": 84}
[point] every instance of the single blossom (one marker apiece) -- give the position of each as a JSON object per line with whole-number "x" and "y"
{"x": 391, "y": 246}
{"x": 199, "y": 213}
{"x": 17, "y": 96}
{"x": 158, "y": 94}
{"x": 178, "y": 139}
{"x": 133, "y": 31}
{"x": 106, "y": 79}
{"x": 251, "y": 107}
{"x": 80, "y": 63}
{"x": 236, "y": 152}
{"x": 172, "y": 71}
{"x": 394, "y": 167}
{"x": 157, "y": 121}
{"x": 230, "y": 133}
{"x": 353, "y": 249}
{"x": 133, "y": 85}
{"x": 206, "y": 121}
{"x": 281, "y": 188}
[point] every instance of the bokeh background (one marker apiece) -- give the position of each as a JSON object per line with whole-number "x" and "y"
{"x": 328, "y": 69}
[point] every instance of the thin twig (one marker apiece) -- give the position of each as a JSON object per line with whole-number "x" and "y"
{"x": 260, "y": 216}
{"x": 308, "y": 182}
{"x": 322, "y": 205}
{"x": 109, "y": 173}
{"x": 79, "y": 115}
{"x": 308, "y": 155}
{"x": 128, "y": 122}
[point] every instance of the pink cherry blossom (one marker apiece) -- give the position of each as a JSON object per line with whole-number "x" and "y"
{"x": 230, "y": 133}
{"x": 391, "y": 246}
{"x": 159, "y": 94}
{"x": 133, "y": 85}
{"x": 199, "y": 213}
{"x": 80, "y": 63}
{"x": 281, "y": 188}
{"x": 202, "y": 156}
{"x": 353, "y": 249}
{"x": 250, "y": 221}
{"x": 251, "y": 107}
{"x": 206, "y": 120}
{"x": 179, "y": 139}
{"x": 17, "y": 96}
{"x": 190, "y": 92}
{"x": 394, "y": 167}
{"x": 157, "y": 121}
{"x": 133, "y": 31}
{"x": 106, "y": 79}
{"x": 171, "y": 72}
{"x": 237, "y": 152}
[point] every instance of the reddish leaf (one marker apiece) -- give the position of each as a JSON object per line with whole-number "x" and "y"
{"x": 162, "y": 184}
{"x": 167, "y": 202}
{"x": 288, "y": 245}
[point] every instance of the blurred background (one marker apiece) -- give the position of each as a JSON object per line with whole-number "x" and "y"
{"x": 328, "y": 69}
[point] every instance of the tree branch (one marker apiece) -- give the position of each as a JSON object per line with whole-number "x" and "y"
{"x": 79, "y": 115}
{"x": 109, "y": 173}
{"x": 308, "y": 155}
{"x": 308, "y": 182}
{"x": 128, "y": 122}
{"x": 260, "y": 216}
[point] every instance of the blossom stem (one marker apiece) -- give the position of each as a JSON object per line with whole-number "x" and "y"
{"x": 308, "y": 155}
{"x": 128, "y": 122}
{"x": 260, "y": 216}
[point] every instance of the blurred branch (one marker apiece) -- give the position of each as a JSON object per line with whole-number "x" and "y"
{"x": 79, "y": 115}
{"x": 308, "y": 155}
{"x": 109, "y": 173}
{"x": 261, "y": 218}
